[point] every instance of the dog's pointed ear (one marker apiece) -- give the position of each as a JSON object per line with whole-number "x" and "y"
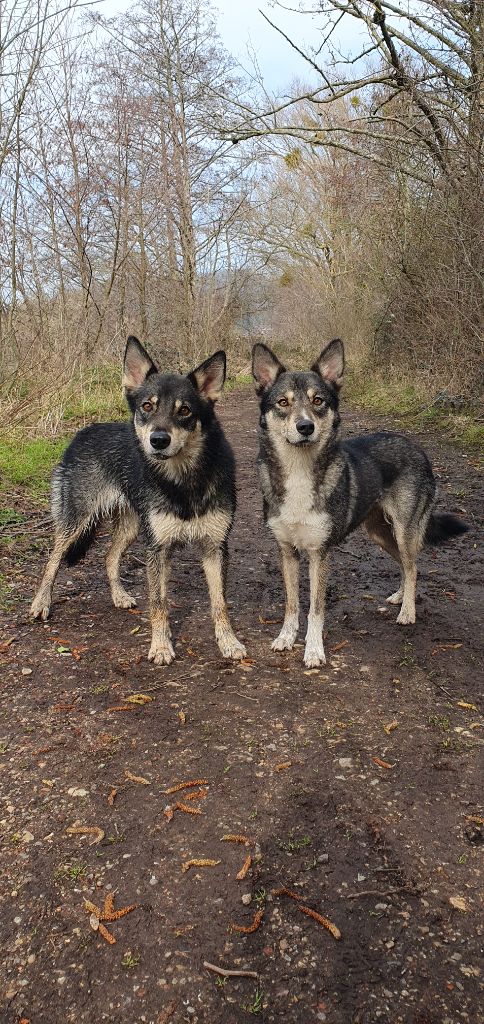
{"x": 138, "y": 365}
{"x": 266, "y": 367}
{"x": 209, "y": 377}
{"x": 331, "y": 363}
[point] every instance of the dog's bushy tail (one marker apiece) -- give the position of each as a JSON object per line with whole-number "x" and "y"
{"x": 79, "y": 548}
{"x": 442, "y": 526}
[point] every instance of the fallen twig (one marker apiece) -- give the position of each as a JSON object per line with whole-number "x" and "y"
{"x": 228, "y": 973}
{"x": 377, "y": 892}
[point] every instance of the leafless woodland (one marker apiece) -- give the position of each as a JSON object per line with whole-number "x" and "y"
{"x": 148, "y": 184}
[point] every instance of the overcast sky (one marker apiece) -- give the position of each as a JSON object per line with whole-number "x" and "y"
{"x": 242, "y": 28}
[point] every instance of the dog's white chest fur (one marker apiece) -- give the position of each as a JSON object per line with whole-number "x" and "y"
{"x": 169, "y": 529}
{"x": 297, "y": 522}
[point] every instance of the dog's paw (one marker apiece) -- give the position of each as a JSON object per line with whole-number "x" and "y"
{"x": 161, "y": 654}
{"x": 285, "y": 641}
{"x": 406, "y": 616}
{"x": 314, "y": 656}
{"x": 121, "y": 599}
{"x": 231, "y": 648}
{"x": 396, "y": 598}
{"x": 40, "y": 607}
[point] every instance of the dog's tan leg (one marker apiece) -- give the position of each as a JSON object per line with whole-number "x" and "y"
{"x": 214, "y": 561}
{"x": 40, "y": 607}
{"x": 290, "y": 571}
{"x": 408, "y": 550}
{"x": 381, "y": 532}
{"x": 125, "y": 530}
{"x": 157, "y": 566}
{"x": 318, "y": 576}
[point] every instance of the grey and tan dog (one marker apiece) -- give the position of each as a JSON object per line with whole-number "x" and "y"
{"x": 317, "y": 489}
{"x": 170, "y": 471}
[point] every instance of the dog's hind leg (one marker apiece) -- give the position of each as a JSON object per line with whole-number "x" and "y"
{"x": 158, "y": 567}
{"x": 290, "y": 571}
{"x": 214, "y": 561}
{"x": 40, "y": 607}
{"x": 318, "y": 577}
{"x": 126, "y": 527}
{"x": 408, "y": 547}
{"x": 381, "y": 532}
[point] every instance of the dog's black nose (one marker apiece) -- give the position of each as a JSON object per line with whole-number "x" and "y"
{"x": 159, "y": 439}
{"x": 305, "y": 427}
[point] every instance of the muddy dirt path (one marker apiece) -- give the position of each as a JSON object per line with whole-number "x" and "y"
{"x": 357, "y": 784}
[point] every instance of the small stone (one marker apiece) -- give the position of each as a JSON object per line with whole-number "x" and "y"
{"x": 27, "y": 837}
{"x": 27, "y": 671}
{"x": 345, "y": 762}
{"x": 246, "y": 899}
{"x": 74, "y": 791}
{"x": 153, "y": 880}
{"x": 323, "y": 858}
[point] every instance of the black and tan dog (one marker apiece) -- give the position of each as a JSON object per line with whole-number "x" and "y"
{"x": 170, "y": 471}
{"x": 317, "y": 489}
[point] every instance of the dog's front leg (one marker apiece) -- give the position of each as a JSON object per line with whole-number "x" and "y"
{"x": 214, "y": 560}
{"x": 157, "y": 564}
{"x": 318, "y": 575}
{"x": 290, "y": 571}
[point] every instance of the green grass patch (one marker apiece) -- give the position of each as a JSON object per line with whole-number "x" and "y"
{"x": 95, "y": 395}
{"x": 411, "y": 407}
{"x": 241, "y": 380}
{"x": 28, "y": 463}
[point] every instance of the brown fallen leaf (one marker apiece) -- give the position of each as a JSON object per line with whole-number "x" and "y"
{"x": 137, "y": 778}
{"x": 458, "y": 902}
{"x": 244, "y": 869}
{"x": 5, "y": 644}
{"x": 106, "y": 935}
{"x": 92, "y": 908}
{"x": 168, "y": 1012}
{"x": 121, "y": 707}
{"x": 83, "y": 830}
{"x": 139, "y": 698}
{"x": 186, "y": 785}
{"x": 248, "y": 930}
{"x": 446, "y": 647}
{"x": 186, "y": 809}
{"x": 112, "y": 796}
{"x": 183, "y": 718}
{"x": 381, "y": 764}
{"x": 280, "y": 767}
{"x": 235, "y": 838}
{"x": 78, "y": 651}
{"x": 286, "y": 892}
{"x": 390, "y": 727}
{"x": 195, "y": 794}
{"x": 326, "y": 923}
{"x": 339, "y": 647}
{"x": 475, "y": 818}
{"x": 269, "y": 622}
{"x": 464, "y": 704}
{"x": 203, "y": 862}
{"x": 108, "y": 913}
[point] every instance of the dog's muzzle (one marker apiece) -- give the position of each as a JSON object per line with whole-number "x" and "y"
{"x": 160, "y": 439}
{"x": 305, "y": 427}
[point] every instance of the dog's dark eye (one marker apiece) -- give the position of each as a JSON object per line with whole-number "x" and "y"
{"x": 184, "y": 410}
{"x": 147, "y": 406}
{"x": 317, "y": 400}
{"x": 283, "y": 402}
